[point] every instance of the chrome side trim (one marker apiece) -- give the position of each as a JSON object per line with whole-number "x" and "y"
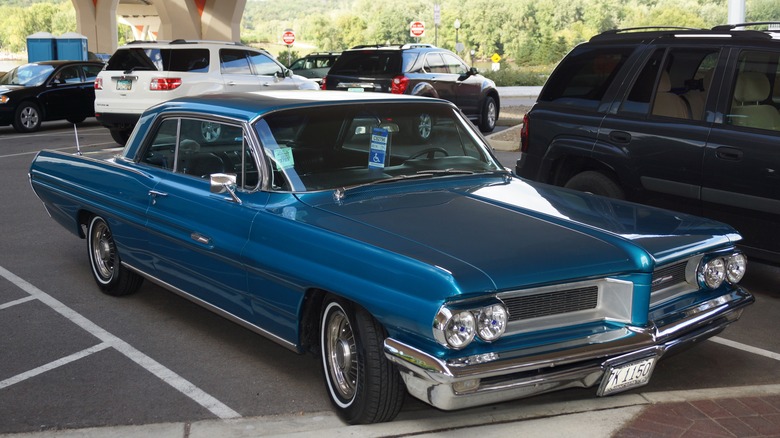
{"x": 217, "y": 310}
{"x": 579, "y": 363}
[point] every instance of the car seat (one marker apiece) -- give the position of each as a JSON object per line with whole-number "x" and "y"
{"x": 666, "y": 103}
{"x": 748, "y": 109}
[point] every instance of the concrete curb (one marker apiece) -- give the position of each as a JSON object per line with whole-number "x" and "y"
{"x": 593, "y": 417}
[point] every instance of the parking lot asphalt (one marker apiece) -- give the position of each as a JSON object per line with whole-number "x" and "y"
{"x": 77, "y": 363}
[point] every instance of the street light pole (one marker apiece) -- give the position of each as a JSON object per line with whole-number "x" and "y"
{"x": 457, "y": 28}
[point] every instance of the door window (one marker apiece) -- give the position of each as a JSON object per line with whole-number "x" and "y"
{"x": 673, "y": 83}
{"x": 234, "y": 62}
{"x": 434, "y": 63}
{"x": 201, "y": 148}
{"x": 454, "y": 65}
{"x": 264, "y": 65}
{"x": 755, "y": 96}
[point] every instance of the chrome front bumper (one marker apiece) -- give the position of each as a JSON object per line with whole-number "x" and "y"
{"x": 484, "y": 380}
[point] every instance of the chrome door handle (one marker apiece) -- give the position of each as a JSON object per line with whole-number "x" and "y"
{"x": 156, "y": 194}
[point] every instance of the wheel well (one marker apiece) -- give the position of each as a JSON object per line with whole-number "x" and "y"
{"x": 494, "y": 95}
{"x": 82, "y": 220}
{"x": 310, "y": 319}
{"x": 41, "y": 109}
{"x": 566, "y": 167}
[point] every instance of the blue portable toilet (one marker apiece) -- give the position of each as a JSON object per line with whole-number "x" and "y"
{"x": 41, "y": 46}
{"x": 72, "y": 46}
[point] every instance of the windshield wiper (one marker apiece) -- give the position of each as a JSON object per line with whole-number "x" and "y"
{"x": 341, "y": 191}
{"x": 338, "y": 195}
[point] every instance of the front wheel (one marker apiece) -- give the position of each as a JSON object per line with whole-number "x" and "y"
{"x": 110, "y": 275}
{"x": 362, "y": 384}
{"x": 27, "y": 117}
{"x": 597, "y": 183}
{"x": 489, "y": 115}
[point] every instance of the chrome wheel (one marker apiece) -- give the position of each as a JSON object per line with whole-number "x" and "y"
{"x": 339, "y": 353}
{"x": 210, "y": 131}
{"x": 102, "y": 251}
{"x": 425, "y": 126}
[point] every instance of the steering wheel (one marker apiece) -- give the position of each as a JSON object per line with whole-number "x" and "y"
{"x": 431, "y": 152}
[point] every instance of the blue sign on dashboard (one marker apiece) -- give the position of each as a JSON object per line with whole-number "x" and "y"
{"x": 378, "y": 149}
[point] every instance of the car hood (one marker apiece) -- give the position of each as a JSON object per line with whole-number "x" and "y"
{"x": 500, "y": 235}
{"x": 8, "y": 88}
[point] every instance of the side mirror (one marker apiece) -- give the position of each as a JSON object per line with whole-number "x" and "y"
{"x": 224, "y": 182}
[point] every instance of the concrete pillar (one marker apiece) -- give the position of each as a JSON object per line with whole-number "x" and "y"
{"x": 222, "y": 19}
{"x": 96, "y": 20}
{"x": 179, "y": 19}
{"x": 736, "y": 11}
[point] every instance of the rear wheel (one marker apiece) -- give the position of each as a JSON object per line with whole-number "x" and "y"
{"x": 120, "y": 136}
{"x": 362, "y": 384}
{"x": 110, "y": 275}
{"x": 597, "y": 183}
{"x": 76, "y": 119}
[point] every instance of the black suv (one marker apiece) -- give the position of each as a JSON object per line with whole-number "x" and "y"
{"x": 418, "y": 69}
{"x": 680, "y": 118}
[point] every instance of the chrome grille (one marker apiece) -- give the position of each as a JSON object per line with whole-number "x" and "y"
{"x": 668, "y": 276}
{"x": 552, "y": 303}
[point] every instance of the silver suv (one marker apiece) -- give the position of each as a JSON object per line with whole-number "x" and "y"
{"x": 141, "y": 74}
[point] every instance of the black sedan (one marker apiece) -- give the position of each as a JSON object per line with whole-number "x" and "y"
{"x": 50, "y": 90}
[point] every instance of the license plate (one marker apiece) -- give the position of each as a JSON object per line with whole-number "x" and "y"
{"x": 625, "y": 376}
{"x": 124, "y": 84}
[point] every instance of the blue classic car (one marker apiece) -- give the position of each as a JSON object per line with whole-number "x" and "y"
{"x": 381, "y": 233}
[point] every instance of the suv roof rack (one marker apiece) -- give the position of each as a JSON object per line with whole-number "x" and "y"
{"x": 417, "y": 46}
{"x": 725, "y": 27}
{"x": 672, "y": 31}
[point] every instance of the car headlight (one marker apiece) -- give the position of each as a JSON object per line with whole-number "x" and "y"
{"x": 715, "y": 271}
{"x": 735, "y": 268}
{"x": 491, "y": 322}
{"x": 458, "y": 328}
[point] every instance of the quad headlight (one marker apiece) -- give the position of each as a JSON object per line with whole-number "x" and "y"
{"x": 458, "y": 328}
{"x": 714, "y": 271}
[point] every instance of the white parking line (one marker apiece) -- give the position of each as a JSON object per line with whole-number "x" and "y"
{"x": 52, "y": 365}
{"x": 108, "y": 340}
{"x": 83, "y": 147}
{"x": 745, "y": 347}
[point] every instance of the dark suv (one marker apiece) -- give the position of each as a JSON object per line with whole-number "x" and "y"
{"x": 418, "y": 69}
{"x": 680, "y": 118}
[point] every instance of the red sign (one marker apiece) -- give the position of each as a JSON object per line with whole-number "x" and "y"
{"x": 417, "y": 29}
{"x": 288, "y": 37}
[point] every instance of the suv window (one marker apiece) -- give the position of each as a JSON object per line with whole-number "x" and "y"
{"x": 678, "y": 89}
{"x": 183, "y": 60}
{"x": 584, "y": 76}
{"x": 454, "y": 65}
{"x": 233, "y": 61}
{"x": 369, "y": 63}
{"x": 756, "y": 91}
{"x": 264, "y": 66}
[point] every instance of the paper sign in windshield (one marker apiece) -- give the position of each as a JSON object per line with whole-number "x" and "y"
{"x": 378, "y": 150}
{"x": 284, "y": 158}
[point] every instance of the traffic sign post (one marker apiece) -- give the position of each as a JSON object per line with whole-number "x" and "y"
{"x": 417, "y": 29}
{"x": 288, "y": 38}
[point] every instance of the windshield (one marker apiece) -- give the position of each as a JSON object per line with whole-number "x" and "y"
{"x": 29, "y": 75}
{"x": 341, "y": 146}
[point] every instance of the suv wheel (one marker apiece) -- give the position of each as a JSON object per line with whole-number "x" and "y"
{"x": 597, "y": 183}
{"x": 120, "y": 136}
{"x": 489, "y": 115}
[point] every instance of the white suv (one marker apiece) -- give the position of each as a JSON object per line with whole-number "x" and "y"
{"x": 141, "y": 74}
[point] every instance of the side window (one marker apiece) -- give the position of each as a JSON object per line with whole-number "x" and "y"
{"x": 583, "y": 77}
{"x": 454, "y": 65}
{"x": 434, "y": 63}
{"x": 754, "y": 98}
{"x": 68, "y": 75}
{"x": 673, "y": 83}
{"x": 208, "y": 147}
{"x": 233, "y": 61}
{"x": 264, "y": 65}
{"x": 161, "y": 151}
